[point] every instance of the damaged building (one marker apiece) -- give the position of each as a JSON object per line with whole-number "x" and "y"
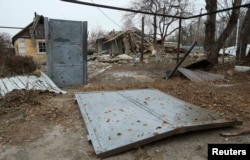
{"x": 121, "y": 42}
{"x": 30, "y": 41}
{"x": 129, "y": 42}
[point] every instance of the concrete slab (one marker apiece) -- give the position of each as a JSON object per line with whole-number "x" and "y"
{"x": 121, "y": 120}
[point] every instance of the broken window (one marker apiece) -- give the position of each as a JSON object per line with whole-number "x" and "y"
{"x": 41, "y": 47}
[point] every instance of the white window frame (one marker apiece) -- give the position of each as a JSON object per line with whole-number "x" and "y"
{"x": 37, "y": 46}
{"x": 21, "y": 47}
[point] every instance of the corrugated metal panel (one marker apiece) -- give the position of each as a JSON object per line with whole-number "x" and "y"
{"x": 121, "y": 120}
{"x": 199, "y": 75}
{"x": 28, "y": 83}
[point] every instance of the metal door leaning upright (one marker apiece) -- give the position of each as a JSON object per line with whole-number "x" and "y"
{"x": 66, "y": 47}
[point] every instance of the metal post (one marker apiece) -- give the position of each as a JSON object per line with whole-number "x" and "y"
{"x": 197, "y": 32}
{"x": 237, "y": 32}
{"x": 179, "y": 41}
{"x": 223, "y": 55}
{"x": 142, "y": 39}
{"x": 179, "y": 63}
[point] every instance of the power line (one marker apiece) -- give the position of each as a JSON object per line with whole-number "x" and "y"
{"x": 11, "y": 27}
{"x": 116, "y": 8}
{"x": 106, "y": 15}
{"x": 148, "y": 13}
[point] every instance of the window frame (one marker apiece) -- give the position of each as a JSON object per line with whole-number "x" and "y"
{"x": 38, "y": 42}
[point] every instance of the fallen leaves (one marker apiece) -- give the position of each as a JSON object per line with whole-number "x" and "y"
{"x": 24, "y": 115}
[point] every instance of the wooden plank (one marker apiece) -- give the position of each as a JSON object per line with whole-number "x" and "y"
{"x": 236, "y": 133}
{"x": 199, "y": 75}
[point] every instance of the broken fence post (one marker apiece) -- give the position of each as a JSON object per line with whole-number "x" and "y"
{"x": 180, "y": 62}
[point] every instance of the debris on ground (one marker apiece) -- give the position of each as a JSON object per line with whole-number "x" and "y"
{"x": 122, "y": 58}
{"x": 198, "y": 71}
{"x": 25, "y": 123}
{"x": 198, "y": 75}
{"x": 181, "y": 61}
{"x": 236, "y": 133}
{"x": 201, "y": 64}
{"x": 26, "y": 114}
{"x": 242, "y": 68}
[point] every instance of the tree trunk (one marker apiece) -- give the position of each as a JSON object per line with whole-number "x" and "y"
{"x": 212, "y": 49}
{"x": 227, "y": 31}
{"x": 210, "y": 24}
{"x": 248, "y": 57}
{"x": 243, "y": 38}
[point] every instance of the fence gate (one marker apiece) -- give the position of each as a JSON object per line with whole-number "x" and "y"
{"x": 66, "y": 44}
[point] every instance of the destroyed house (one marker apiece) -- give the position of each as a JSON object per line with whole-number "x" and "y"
{"x": 30, "y": 41}
{"x": 121, "y": 42}
{"x": 101, "y": 46}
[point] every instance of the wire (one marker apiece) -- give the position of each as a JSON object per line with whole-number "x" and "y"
{"x": 117, "y": 8}
{"x": 148, "y": 13}
{"x": 11, "y": 27}
{"x": 107, "y": 15}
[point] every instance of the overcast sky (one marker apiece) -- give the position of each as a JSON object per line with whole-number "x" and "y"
{"x": 19, "y": 13}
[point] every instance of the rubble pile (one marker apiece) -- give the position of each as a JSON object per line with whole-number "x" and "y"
{"x": 128, "y": 44}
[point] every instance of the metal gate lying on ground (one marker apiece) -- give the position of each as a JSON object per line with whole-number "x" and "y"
{"x": 121, "y": 120}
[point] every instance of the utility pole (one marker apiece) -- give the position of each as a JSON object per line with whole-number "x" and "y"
{"x": 179, "y": 42}
{"x": 197, "y": 32}
{"x": 237, "y": 37}
{"x": 142, "y": 38}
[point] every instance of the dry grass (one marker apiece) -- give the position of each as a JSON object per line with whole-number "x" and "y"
{"x": 16, "y": 65}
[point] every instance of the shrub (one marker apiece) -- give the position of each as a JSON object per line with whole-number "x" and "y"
{"x": 15, "y": 65}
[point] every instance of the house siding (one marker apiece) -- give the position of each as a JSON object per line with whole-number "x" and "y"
{"x": 31, "y": 50}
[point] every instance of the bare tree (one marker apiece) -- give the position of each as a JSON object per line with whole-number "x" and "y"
{"x": 210, "y": 27}
{"x": 96, "y": 33}
{"x": 5, "y": 40}
{"x": 5, "y": 45}
{"x": 243, "y": 38}
{"x": 193, "y": 31}
{"x": 148, "y": 6}
{"x": 223, "y": 19}
{"x": 212, "y": 45}
{"x": 174, "y": 8}
{"x": 160, "y": 25}
{"x": 128, "y": 24}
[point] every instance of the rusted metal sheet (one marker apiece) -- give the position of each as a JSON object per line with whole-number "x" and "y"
{"x": 198, "y": 75}
{"x": 28, "y": 83}
{"x": 121, "y": 120}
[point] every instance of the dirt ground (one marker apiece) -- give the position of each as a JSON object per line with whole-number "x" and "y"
{"x": 41, "y": 125}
